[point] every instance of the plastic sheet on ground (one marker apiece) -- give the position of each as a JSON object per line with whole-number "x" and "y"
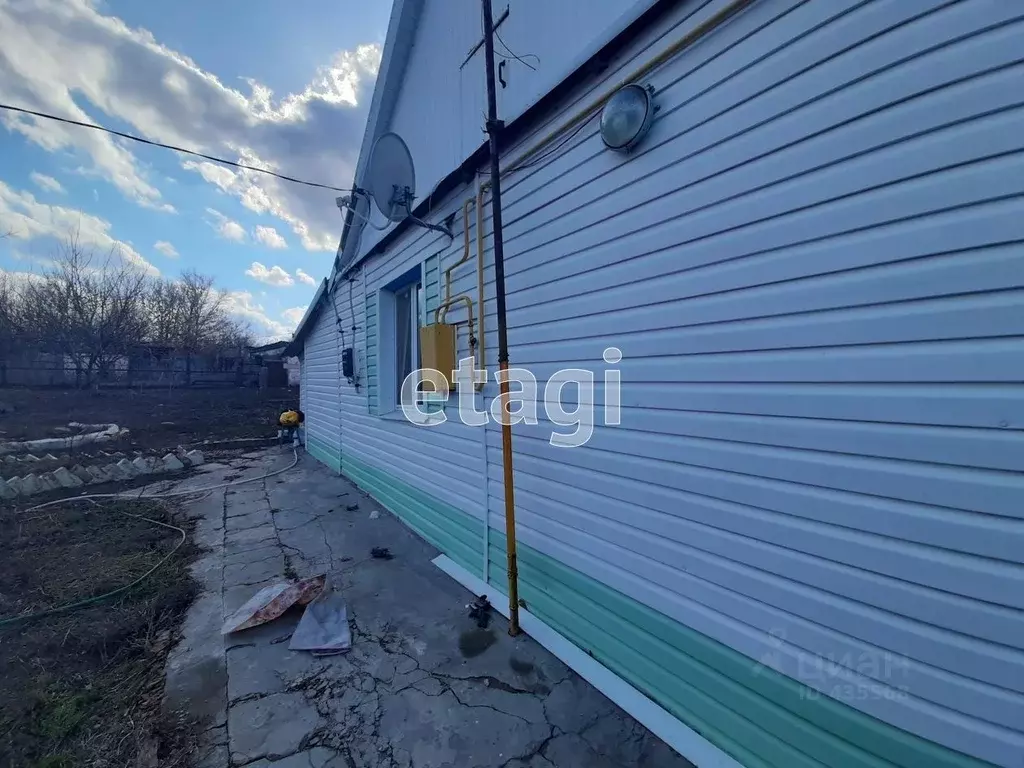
{"x": 270, "y": 602}
{"x": 323, "y": 628}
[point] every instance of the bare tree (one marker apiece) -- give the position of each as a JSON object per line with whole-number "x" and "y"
{"x": 91, "y": 310}
{"x": 203, "y": 318}
{"x": 11, "y": 325}
{"x": 189, "y": 315}
{"x": 95, "y": 312}
{"x": 236, "y": 335}
{"x": 11, "y": 303}
{"x": 201, "y": 315}
{"x": 163, "y": 304}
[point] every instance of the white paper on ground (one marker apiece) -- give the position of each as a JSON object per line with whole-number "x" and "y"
{"x": 323, "y": 628}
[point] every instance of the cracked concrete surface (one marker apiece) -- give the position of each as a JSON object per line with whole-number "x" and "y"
{"x": 422, "y": 687}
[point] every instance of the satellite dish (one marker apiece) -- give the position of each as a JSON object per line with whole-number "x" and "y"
{"x": 390, "y": 177}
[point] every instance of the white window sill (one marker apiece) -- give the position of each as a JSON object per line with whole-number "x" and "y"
{"x": 432, "y": 418}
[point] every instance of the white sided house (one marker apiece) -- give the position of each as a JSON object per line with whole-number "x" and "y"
{"x": 802, "y": 544}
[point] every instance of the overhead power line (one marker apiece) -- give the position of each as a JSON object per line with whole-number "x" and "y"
{"x": 141, "y": 140}
{"x": 520, "y": 59}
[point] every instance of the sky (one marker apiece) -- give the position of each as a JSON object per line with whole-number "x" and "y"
{"x": 272, "y": 84}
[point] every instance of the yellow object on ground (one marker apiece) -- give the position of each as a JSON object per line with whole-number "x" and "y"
{"x": 290, "y": 419}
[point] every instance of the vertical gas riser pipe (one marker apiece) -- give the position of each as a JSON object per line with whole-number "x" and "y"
{"x": 494, "y": 127}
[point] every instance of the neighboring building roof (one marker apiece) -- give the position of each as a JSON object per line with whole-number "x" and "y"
{"x": 294, "y": 346}
{"x": 273, "y": 346}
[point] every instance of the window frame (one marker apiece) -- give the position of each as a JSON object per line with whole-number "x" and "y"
{"x": 411, "y": 283}
{"x": 414, "y": 292}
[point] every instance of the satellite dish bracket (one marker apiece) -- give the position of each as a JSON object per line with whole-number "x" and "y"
{"x": 402, "y": 198}
{"x": 391, "y": 182}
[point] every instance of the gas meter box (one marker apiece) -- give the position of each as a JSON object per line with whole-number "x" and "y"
{"x": 437, "y": 349}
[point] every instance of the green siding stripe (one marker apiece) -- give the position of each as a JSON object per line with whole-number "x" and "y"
{"x": 371, "y": 353}
{"x": 458, "y": 535}
{"x": 625, "y": 635}
{"x": 599, "y": 642}
{"x": 653, "y": 667}
{"x": 760, "y": 717}
{"x": 323, "y": 453}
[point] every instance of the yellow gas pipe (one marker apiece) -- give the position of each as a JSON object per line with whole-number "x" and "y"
{"x": 685, "y": 41}
{"x": 469, "y": 309}
{"x": 475, "y": 341}
{"x": 682, "y": 43}
{"x": 465, "y": 251}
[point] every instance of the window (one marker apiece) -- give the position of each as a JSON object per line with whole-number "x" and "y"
{"x": 408, "y": 319}
{"x": 400, "y": 314}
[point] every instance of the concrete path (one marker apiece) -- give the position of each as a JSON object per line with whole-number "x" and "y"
{"x": 422, "y": 687}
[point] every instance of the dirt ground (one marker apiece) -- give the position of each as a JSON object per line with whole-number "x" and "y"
{"x": 159, "y": 419}
{"x": 84, "y": 688}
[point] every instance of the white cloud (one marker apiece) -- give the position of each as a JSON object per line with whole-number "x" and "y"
{"x": 304, "y": 278}
{"x": 29, "y": 219}
{"x": 67, "y": 57}
{"x": 225, "y": 227}
{"x": 272, "y": 276}
{"x": 220, "y": 176}
{"x": 46, "y": 183}
{"x": 270, "y": 237}
{"x": 242, "y": 305}
{"x": 166, "y": 249}
{"x": 293, "y": 315}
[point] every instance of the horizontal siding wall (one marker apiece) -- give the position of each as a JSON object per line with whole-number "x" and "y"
{"x": 303, "y": 395}
{"x": 371, "y": 370}
{"x": 743, "y": 706}
{"x": 321, "y": 366}
{"x": 428, "y": 470}
{"x": 805, "y": 538}
{"x": 814, "y": 268}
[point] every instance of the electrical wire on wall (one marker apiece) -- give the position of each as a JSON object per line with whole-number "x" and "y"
{"x": 337, "y": 318}
{"x": 351, "y": 306}
{"x": 352, "y": 313}
{"x": 547, "y": 154}
{"x": 354, "y": 378}
{"x": 553, "y": 150}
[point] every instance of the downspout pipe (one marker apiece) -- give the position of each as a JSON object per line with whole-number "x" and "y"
{"x": 494, "y": 127}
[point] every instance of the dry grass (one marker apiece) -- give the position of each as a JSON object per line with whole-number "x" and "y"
{"x": 85, "y": 688}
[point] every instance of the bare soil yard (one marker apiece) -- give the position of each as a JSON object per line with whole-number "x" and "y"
{"x": 85, "y": 688}
{"x": 158, "y": 418}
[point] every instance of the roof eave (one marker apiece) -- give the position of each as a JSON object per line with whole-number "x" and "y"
{"x": 401, "y": 35}
{"x": 643, "y": 15}
{"x": 294, "y": 347}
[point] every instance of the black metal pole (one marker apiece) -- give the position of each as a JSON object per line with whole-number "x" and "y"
{"x": 494, "y": 127}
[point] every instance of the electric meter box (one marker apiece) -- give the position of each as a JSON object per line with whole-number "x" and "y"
{"x": 437, "y": 349}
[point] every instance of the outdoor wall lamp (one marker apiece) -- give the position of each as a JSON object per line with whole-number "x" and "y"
{"x": 627, "y": 116}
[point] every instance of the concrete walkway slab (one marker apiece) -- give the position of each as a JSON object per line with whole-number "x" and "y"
{"x": 422, "y": 686}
